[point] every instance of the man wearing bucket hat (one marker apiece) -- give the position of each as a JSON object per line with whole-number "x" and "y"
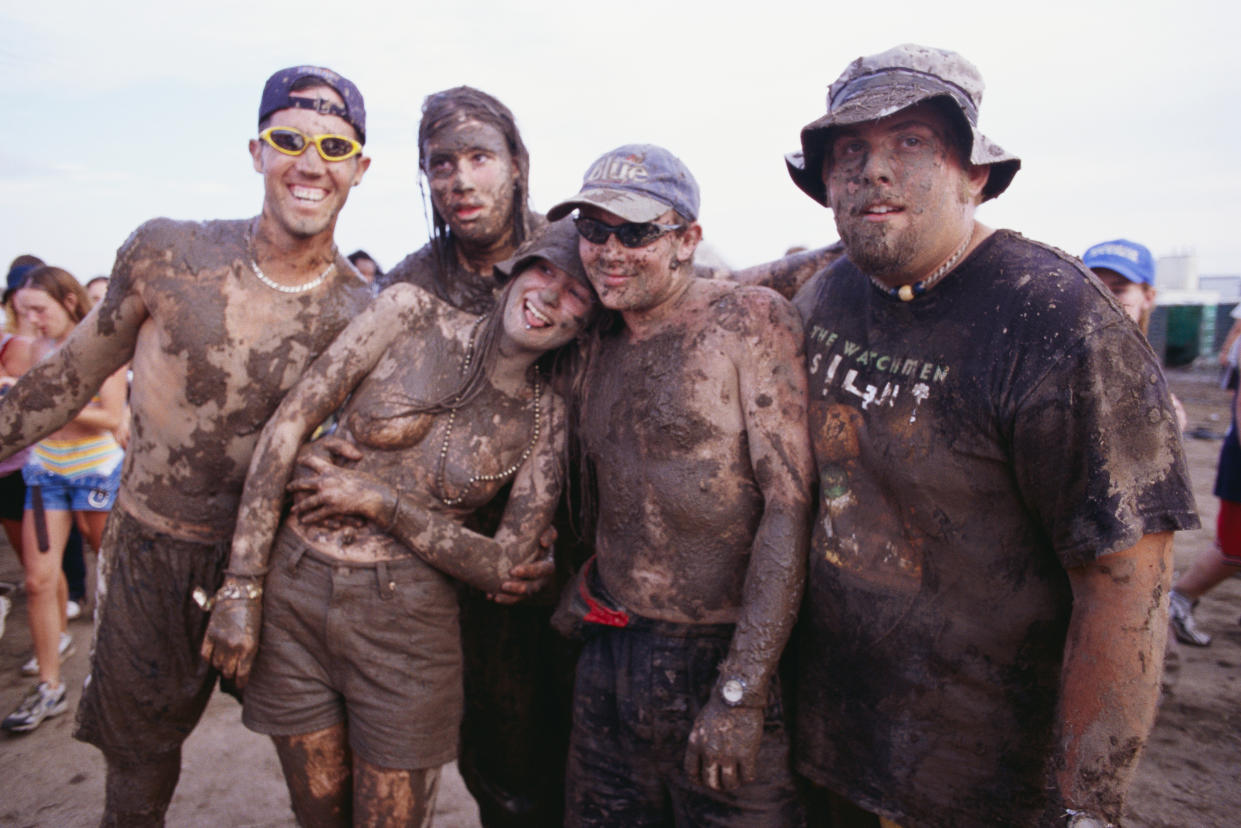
{"x": 219, "y": 319}
{"x": 985, "y": 612}
{"x": 692, "y": 422}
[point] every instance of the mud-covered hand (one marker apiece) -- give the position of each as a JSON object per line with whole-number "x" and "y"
{"x": 232, "y": 638}
{"x": 532, "y": 577}
{"x": 326, "y": 491}
{"x": 723, "y": 746}
{"x": 340, "y": 452}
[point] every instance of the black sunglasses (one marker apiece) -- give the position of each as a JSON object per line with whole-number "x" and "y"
{"x": 629, "y": 234}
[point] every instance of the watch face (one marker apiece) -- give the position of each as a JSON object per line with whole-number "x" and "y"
{"x": 732, "y": 691}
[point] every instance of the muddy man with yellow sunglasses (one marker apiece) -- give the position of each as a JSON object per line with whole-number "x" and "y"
{"x": 218, "y": 319}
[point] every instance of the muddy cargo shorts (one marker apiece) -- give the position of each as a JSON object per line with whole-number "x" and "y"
{"x": 638, "y": 691}
{"x": 376, "y": 647}
{"x": 148, "y": 685}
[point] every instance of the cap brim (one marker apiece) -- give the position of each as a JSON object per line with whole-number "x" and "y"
{"x": 629, "y": 206}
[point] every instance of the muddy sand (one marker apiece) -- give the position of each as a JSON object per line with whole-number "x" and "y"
{"x": 230, "y": 776}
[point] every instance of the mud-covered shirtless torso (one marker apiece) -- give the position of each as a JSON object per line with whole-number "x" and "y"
{"x": 219, "y": 319}
{"x": 693, "y": 425}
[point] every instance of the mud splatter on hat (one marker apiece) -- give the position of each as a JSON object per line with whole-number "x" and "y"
{"x": 637, "y": 182}
{"x": 880, "y": 85}
{"x": 276, "y": 96}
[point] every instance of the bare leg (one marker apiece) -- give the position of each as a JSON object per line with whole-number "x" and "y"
{"x": 46, "y": 590}
{"x": 1208, "y": 569}
{"x": 138, "y": 793}
{"x": 392, "y": 797}
{"x": 13, "y": 531}
{"x": 91, "y": 525}
{"x": 317, "y": 769}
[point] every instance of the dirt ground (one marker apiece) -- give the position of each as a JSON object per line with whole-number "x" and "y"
{"x": 230, "y": 776}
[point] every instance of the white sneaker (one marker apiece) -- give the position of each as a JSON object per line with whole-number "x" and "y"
{"x": 42, "y": 703}
{"x": 65, "y": 649}
{"x": 73, "y": 610}
{"x": 5, "y": 605}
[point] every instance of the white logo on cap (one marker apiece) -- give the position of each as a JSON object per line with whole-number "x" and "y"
{"x": 625, "y": 169}
{"x": 1119, "y": 250}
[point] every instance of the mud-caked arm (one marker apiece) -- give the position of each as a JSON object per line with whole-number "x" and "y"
{"x": 772, "y": 384}
{"x": 1109, "y": 682}
{"x": 232, "y": 633}
{"x": 785, "y": 275}
{"x": 482, "y": 562}
{"x": 60, "y": 385}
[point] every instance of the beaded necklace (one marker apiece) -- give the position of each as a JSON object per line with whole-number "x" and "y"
{"x": 907, "y": 293}
{"x": 536, "y": 387}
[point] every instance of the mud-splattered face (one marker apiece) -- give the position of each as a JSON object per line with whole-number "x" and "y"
{"x": 903, "y": 202}
{"x": 472, "y": 175}
{"x": 43, "y": 313}
{"x": 546, "y": 307}
{"x": 305, "y": 193}
{"x": 1134, "y": 299}
{"x": 638, "y": 278}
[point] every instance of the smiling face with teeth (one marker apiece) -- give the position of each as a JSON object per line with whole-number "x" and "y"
{"x": 304, "y": 193}
{"x": 546, "y": 307}
{"x": 902, "y": 193}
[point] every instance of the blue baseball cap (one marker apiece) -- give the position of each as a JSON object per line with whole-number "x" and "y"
{"x": 637, "y": 182}
{"x": 276, "y": 96}
{"x": 1128, "y": 258}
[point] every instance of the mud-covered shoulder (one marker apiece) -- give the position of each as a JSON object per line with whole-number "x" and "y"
{"x": 750, "y": 311}
{"x": 165, "y": 239}
{"x": 411, "y": 304}
{"x": 417, "y": 268}
{"x": 1040, "y": 299}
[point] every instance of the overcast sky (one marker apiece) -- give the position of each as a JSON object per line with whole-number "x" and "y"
{"x": 1127, "y": 123}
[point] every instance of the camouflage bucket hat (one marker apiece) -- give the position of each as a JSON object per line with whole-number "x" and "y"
{"x": 879, "y": 85}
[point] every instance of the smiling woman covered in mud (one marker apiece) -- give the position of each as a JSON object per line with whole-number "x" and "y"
{"x": 358, "y": 678}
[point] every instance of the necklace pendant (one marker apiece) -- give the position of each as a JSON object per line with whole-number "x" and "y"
{"x": 906, "y": 293}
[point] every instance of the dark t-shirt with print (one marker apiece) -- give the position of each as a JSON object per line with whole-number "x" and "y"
{"x": 971, "y": 445}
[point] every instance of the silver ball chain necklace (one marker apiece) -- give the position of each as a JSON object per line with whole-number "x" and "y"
{"x": 536, "y": 387}
{"x": 274, "y": 285}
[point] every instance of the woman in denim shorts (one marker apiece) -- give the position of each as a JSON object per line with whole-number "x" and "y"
{"x": 72, "y": 476}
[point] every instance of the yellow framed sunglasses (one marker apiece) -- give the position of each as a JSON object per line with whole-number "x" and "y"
{"x": 294, "y": 142}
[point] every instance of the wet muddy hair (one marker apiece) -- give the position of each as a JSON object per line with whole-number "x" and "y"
{"x": 60, "y": 284}
{"x": 453, "y": 106}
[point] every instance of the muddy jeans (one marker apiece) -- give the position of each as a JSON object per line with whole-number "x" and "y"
{"x": 638, "y": 691}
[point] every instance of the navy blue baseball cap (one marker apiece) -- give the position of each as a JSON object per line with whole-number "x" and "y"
{"x": 276, "y": 96}
{"x": 1128, "y": 258}
{"x": 637, "y": 182}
